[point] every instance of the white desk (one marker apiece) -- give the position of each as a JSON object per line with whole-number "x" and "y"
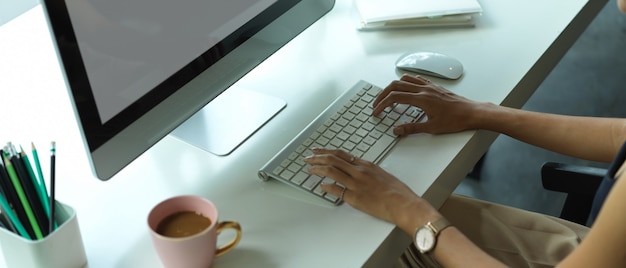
{"x": 506, "y": 56}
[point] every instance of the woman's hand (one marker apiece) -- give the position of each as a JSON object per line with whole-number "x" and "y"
{"x": 371, "y": 189}
{"x": 446, "y": 111}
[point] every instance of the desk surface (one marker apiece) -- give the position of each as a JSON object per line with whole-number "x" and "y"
{"x": 506, "y": 56}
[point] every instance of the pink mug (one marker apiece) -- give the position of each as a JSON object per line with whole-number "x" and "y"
{"x": 196, "y": 250}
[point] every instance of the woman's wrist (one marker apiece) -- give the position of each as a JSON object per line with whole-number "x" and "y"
{"x": 482, "y": 115}
{"x": 415, "y": 214}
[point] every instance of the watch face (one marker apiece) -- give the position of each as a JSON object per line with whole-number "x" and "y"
{"x": 424, "y": 239}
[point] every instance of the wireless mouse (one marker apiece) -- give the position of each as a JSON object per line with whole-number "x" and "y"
{"x": 431, "y": 63}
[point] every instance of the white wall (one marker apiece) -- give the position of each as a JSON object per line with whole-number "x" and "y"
{"x": 10, "y": 9}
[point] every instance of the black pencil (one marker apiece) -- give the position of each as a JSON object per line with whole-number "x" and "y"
{"x": 52, "y": 182}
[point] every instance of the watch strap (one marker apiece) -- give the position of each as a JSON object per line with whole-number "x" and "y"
{"x": 438, "y": 225}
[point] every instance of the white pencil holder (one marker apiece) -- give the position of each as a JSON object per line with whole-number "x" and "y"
{"x": 62, "y": 248}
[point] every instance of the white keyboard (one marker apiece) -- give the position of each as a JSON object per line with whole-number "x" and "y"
{"x": 346, "y": 124}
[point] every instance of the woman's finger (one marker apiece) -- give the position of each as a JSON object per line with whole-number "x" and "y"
{"x": 397, "y": 97}
{"x": 327, "y": 170}
{"x": 406, "y": 83}
{"x": 333, "y": 163}
{"x": 341, "y": 154}
{"x": 417, "y": 79}
{"x": 350, "y": 158}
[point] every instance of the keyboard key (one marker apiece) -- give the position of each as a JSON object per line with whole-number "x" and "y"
{"x": 294, "y": 167}
{"x": 311, "y": 182}
{"x": 285, "y": 163}
{"x": 367, "y": 98}
{"x": 355, "y": 139}
{"x": 364, "y": 147}
{"x": 329, "y": 134}
{"x": 400, "y": 108}
{"x": 378, "y": 148}
{"x": 362, "y": 117}
{"x": 331, "y": 197}
{"x": 375, "y": 134}
{"x": 322, "y": 141}
{"x": 387, "y": 122}
{"x": 336, "y": 128}
{"x": 343, "y": 136}
{"x": 348, "y": 116}
{"x": 342, "y": 122}
{"x": 357, "y": 153}
{"x": 348, "y": 146}
{"x": 349, "y": 129}
{"x": 278, "y": 170}
{"x": 308, "y": 142}
{"x": 336, "y": 142}
{"x": 369, "y": 140}
{"x": 299, "y": 178}
{"x": 318, "y": 190}
{"x": 286, "y": 174}
{"x": 368, "y": 126}
{"x": 361, "y": 132}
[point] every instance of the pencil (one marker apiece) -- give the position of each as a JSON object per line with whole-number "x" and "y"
{"x": 52, "y": 182}
{"x": 41, "y": 192}
{"x": 22, "y": 197}
{"x": 38, "y": 167}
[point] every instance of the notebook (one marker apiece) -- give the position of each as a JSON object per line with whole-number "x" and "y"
{"x": 376, "y": 14}
{"x": 463, "y": 20}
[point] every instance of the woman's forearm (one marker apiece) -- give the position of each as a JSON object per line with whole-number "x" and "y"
{"x": 591, "y": 138}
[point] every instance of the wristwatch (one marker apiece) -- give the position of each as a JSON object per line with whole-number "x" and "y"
{"x": 426, "y": 236}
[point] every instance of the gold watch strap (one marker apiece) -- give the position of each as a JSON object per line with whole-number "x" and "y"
{"x": 438, "y": 225}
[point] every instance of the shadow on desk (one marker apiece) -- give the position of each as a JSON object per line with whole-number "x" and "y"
{"x": 241, "y": 255}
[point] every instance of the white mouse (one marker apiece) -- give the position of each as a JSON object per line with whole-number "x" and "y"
{"x": 431, "y": 63}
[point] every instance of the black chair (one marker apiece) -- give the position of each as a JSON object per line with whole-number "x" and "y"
{"x": 579, "y": 182}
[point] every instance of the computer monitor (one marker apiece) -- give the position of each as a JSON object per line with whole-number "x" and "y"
{"x": 136, "y": 70}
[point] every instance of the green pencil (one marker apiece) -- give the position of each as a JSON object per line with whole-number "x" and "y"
{"x": 39, "y": 170}
{"x": 42, "y": 182}
{"x": 43, "y": 196}
{"x": 22, "y": 196}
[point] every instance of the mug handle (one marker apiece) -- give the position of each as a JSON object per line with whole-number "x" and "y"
{"x": 230, "y": 245}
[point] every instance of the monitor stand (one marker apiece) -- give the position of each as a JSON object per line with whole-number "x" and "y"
{"x": 228, "y": 120}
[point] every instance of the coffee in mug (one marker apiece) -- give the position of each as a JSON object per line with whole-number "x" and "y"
{"x": 184, "y": 232}
{"x": 183, "y": 223}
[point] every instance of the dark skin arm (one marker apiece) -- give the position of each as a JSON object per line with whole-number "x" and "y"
{"x": 591, "y": 138}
